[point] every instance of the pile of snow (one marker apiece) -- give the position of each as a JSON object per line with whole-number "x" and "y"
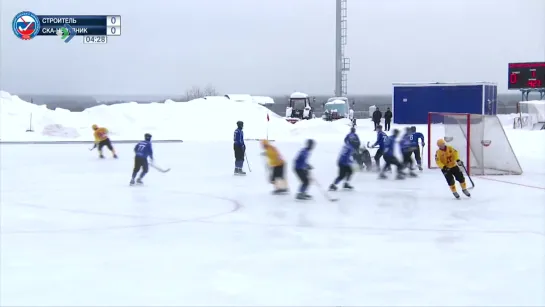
{"x": 210, "y": 119}
{"x": 263, "y": 100}
{"x": 317, "y": 128}
{"x": 213, "y": 118}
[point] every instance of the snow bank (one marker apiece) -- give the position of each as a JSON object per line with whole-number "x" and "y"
{"x": 263, "y": 100}
{"x": 319, "y": 129}
{"x": 212, "y": 118}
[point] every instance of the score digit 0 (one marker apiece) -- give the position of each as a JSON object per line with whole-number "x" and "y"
{"x": 113, "y": 31}
{"x": 113, "y": 21}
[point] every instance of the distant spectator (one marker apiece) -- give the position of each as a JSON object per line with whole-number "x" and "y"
{"x": 387, "y": 119}
{"x": 377, "y": 116}
{"x": 351, "y": 117}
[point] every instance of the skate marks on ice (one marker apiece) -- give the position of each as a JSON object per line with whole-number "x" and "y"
{"x": 196, "y": 205}
{"x": 449, "y": 221}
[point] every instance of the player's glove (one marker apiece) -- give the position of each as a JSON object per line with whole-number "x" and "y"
{"x": 309, "y": 167}
{"x": 460, "y": 163}
{"x": 423, "y": 144}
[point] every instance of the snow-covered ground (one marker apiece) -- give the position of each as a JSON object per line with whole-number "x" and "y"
{"x": 73, "y": 233}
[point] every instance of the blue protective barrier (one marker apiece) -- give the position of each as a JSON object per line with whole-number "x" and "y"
{"x": 413, "y": 101}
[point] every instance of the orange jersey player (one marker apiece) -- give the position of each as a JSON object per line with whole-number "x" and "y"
{"x": 101, "y": 140}
{"x": 276, "y": 164}
{"x": 448, "y": 160}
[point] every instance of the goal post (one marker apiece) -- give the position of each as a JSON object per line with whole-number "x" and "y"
{"x": 480, "y": 140}
{"x": 531, "y": 115}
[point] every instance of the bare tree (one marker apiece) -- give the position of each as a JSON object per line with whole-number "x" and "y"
{"x": 196, "y": 92}
{"x": 193, "y": 93}
{"x": 210, "y": 90}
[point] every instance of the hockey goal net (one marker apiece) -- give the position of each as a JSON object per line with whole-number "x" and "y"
{"x": 480, "y": 140}
{"x": 531, "y": 115}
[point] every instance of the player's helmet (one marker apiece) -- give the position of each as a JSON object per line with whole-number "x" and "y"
{"x": 310, "y": 143}
{"x": 147, "y": 137}
{"x": 95, "y": 127}
{"x": 352, "y": 130}
{"x": 379, "y": 127}
{"x": 413, "y": 128}
{"x": 264, "y": 143}
{"x": 354, "y": 143}
{"x": 240, "y": 124}
{"x": 395, "y": 132}
{"x": 441, "y": 143}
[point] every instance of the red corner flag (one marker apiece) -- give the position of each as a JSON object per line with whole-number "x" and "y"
{"x": 267, "y": 116}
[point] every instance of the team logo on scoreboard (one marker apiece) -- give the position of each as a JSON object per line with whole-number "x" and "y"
{"x": 26, "y": 25}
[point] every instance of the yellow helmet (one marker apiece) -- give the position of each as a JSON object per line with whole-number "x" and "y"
{"x": 95, "y": 127}
{"x": 441, "y": 143}
{"x": 264, "y": 143}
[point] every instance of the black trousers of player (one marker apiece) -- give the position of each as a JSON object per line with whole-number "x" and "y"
{"x": 453, "y": 173}
{"x": 407, "y": 159}
{"x": 239, "y": 155}
{"x": 378, "y": 155}
{"x": 140, "y": 163}
{"x": 106, "y": 143}
{"x": 277, "y": 173}
{"x": 392, "y": 160}
{"x": 345, "y": 172}
{"x": 417, "y": 155}
{"x": 303, "y": 175}
{"x": 387, "y": 123}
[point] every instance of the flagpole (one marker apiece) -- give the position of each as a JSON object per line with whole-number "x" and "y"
{"x": 267, "y": 126}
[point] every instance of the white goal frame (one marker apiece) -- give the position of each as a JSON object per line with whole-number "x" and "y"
{"x": 475, "y": 143}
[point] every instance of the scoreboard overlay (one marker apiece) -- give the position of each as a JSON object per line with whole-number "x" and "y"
{"x": 95, "y": 29}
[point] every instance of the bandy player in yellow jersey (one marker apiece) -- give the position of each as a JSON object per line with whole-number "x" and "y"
{"x": 448, "y": 160}
{"x": 101, "y": 140}
{"x": 276, "y": 164}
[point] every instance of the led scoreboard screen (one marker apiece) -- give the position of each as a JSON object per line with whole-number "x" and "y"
{"x": 95, "y": 29}
{"x": 526, "y": 76}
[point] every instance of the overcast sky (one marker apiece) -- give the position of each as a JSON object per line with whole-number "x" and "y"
{"x": 272, "y": 46}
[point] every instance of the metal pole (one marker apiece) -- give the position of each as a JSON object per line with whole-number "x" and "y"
{"x": 338, "y": 50}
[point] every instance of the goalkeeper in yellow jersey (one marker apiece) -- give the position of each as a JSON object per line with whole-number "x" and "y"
{"x": 448, "y": 160}
{"x": 101, "y": 140}
{"x": 276, "y": 164}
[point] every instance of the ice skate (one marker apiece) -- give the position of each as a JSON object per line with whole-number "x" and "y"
{"x": 280, "y": 191}
{"x": 132, "y": 182}
{"x": 139, "y": 181}
{"x": 466, "y": 192}
{"x": 413, "y": 174}
{"x": 400, "y": 176}
{"x": 239, "y": 171}
{"x": 333, "y": 187}
{"x": 382, "y": 176}
{"x": 456, "y": 195}
{"x": 115, "y": 156}
{"x": 101, "y": 156}
{"x": 347, "y": 186}
{"x": 420, "y": 168}
{"x": 303, "y": 196}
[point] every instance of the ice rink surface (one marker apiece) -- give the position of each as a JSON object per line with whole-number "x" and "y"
{"x": 75, "y": 234}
